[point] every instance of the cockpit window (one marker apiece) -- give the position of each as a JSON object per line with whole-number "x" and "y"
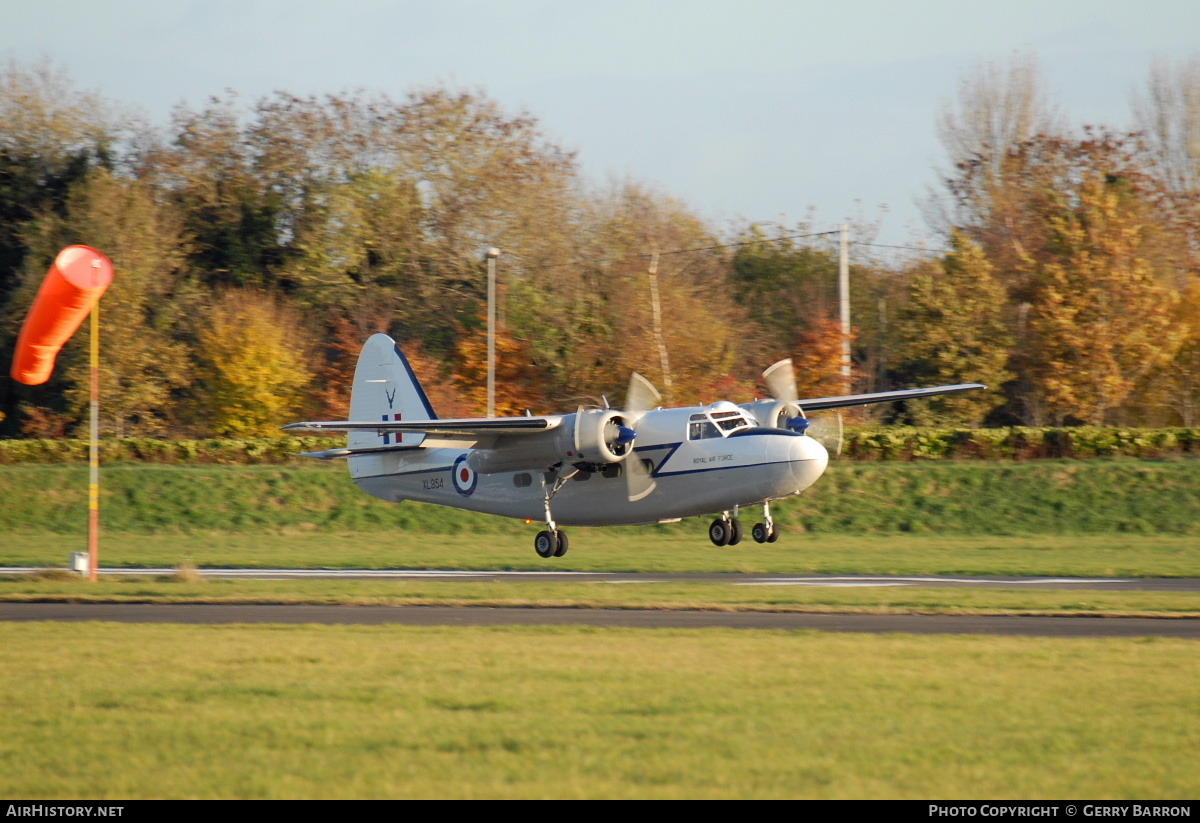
{"x": 731, "y": 420}
{"x": 702, "y": 430}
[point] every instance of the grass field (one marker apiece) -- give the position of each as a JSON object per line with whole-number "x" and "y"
{"x": 628, "y": 550}
{"x": 121, "y": 711}
{"x": 602, "y": 595}
{"x": 129, "y": 711}
{"x": 1063, "y": 497}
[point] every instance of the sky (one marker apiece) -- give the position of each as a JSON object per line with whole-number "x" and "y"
{"x": 748, "y": 111}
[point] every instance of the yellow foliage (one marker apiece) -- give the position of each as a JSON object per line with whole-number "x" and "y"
{"x": 254, "y": 364}
{"x": 1102, "y": 315}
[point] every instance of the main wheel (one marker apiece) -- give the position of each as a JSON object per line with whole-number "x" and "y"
{"x": 718, "y": 532}
{"x": 545, "y": 544}
{"x": 735, "y": 531}
{"x": 774, "y": 535}
{"x": 563, "y": 543}
{"x": 760, "y": 533}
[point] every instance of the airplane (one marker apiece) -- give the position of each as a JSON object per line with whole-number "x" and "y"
{"x": 595, "y": 467}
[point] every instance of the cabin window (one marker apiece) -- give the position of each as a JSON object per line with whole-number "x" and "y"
{"x": 522, "y": 480}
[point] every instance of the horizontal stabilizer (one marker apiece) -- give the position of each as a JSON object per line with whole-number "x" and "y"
{"x": 334, "y": 454}
{"x": 462, "y": 428}
{"x": 819, "y": 403}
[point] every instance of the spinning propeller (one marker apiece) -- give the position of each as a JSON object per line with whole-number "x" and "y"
{"x": 641, "y": 397}
{"x": 824, "y": 427}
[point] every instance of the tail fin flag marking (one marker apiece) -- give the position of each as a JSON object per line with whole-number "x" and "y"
{"x": 387, "y": 438}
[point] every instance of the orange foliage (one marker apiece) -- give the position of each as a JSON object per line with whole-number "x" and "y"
{"x": 817, "y": 357}
{"x": 443, "y": 394}
{"x": 517, "y": 378}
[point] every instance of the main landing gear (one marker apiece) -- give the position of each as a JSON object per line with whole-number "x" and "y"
{"x": 552, "y": 542}
{"x": 726, "y": 530}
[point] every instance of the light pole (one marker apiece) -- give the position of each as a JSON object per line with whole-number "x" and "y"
{"x": 844, "y": 300}
{"x": 492, "y": 254}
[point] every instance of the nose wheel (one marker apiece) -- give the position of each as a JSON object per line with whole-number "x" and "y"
{"x": 763, "y": 533}
{"x": 551, "y": 543}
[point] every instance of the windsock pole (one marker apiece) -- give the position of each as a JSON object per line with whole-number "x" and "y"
{"x": 77, "y": 278}
{"x": 94, "y": 450}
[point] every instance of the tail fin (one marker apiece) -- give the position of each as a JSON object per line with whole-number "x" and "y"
{"x": 385, "y": 388}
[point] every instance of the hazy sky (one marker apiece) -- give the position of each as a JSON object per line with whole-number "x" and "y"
{"x": 746, "y": 110}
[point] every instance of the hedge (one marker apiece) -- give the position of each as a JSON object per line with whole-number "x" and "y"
{"x": 1017, "y": 443}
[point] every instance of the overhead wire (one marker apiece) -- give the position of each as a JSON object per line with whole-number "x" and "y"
{"x": 710, "y": 248}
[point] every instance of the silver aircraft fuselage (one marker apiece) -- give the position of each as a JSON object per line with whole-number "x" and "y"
{"x": 692, "y": 476}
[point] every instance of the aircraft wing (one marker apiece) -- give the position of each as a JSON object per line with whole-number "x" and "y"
{"x": 819, "y": 403}
{"x": 461, "y": 429}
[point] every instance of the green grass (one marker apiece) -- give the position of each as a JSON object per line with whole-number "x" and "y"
{"x": 603, "y": 595}
{"x": 616, "y": 549}
{"x": 1121, "y": 496}
{"x": 133, "y": 711}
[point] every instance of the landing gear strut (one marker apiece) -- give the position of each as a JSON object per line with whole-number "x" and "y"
{"x": 552, "y": 542}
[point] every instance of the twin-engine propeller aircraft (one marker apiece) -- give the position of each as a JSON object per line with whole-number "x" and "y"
{"x": 596, "y": 467}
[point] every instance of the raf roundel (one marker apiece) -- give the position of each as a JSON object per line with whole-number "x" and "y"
{"x": 464, "y": 477}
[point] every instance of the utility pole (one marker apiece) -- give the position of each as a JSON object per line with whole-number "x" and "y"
{"x": 844, "y": 298}
{"x": 656, "y": 310}
{"x": 492, "y": 254}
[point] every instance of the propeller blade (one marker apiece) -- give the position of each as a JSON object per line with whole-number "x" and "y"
{"x": 638, "y": 481}
{"x": 827, "y": 429}
{"x": 642, "y": 395}
{"x": 781, "y": 381}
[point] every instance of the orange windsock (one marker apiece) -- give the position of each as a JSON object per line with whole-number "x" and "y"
{"x": 77, "y": 278}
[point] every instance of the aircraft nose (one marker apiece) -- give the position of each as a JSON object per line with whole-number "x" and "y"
{"x": 808, "y": 460}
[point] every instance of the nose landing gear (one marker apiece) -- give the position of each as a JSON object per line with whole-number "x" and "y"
{"x": 765, "y": 532}
{"x": 551, "y": 543}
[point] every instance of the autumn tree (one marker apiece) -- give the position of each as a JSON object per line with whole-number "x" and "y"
{"x": 1175, "y": 386}
{"x": 786, "y": 285}
{"x": 955, "y": 331}
{"x": 1101, "y": 317}
{"x": 144, "y": 363}
{"x": 253, "y": 365}
{"x": 52, "y": 135}
{"x": 518, "y": 378}
{"x": 597, "y": 323}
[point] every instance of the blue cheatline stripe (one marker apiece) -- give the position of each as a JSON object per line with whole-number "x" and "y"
{"x": 416, "y": 384}
{"x": 729, "y": 468}
{"x": 662, "y": 474}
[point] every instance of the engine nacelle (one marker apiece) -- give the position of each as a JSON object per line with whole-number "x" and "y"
{"x": 601, "y": 436}
{"x": 596, "y": 437}
{"x": 774, "y": 414}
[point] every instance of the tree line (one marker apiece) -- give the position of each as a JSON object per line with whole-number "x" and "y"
{"x": 257, "y": 244}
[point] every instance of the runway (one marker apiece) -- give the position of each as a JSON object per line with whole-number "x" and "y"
{"x": 1161, "y": 584}
{"x": 1188, "y": 628}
